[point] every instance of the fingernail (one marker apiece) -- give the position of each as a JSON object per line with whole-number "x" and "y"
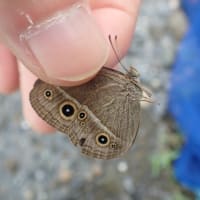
{"x": 68, "y": 46}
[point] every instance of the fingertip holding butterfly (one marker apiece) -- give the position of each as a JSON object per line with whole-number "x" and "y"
{"x": 101, "y": 117}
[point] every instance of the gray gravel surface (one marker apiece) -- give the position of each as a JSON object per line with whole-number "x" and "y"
{"x": 41, "y": 167}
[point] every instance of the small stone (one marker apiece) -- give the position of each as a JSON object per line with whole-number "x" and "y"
{"x": 24, "y": 125}
{"x": 122, "y": 166}
{"x": 174, "y": 4}
{"x": 64, "y": 176}
{"x": 177, "y": 24}
{"x": 156, "y": 83}
{"x": 96, "y": 170}
{"x": 128, "y": 185}
{"x": 28, "y": 195}
{"x": 12, "y": 165}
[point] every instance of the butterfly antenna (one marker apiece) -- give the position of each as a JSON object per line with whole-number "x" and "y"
{"x": 115, "y": 51}
{"x": 147, "y": 97}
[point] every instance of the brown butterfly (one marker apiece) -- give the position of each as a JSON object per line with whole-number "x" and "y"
{"x": 101, "y": 117}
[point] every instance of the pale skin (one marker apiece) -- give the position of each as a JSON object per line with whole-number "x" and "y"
{"x": 63, "y": 42}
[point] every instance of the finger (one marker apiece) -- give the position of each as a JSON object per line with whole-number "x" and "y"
{"x": 27, "y": 80}
{"x": 62, "y": 47}
{"x": 116, "y": 18}
{"x": 8, "y": 71}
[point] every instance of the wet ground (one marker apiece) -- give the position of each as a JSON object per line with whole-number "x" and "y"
{"x": 49, "y": 167}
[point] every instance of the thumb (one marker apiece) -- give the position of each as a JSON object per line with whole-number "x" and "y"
{"x": 59, "y": 41}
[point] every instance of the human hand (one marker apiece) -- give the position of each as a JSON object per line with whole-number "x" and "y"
{"x": 63, "y": 42}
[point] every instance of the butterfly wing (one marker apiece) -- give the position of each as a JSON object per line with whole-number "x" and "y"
{"x": 105, "y": 115}
{"x": 115, "y": 102}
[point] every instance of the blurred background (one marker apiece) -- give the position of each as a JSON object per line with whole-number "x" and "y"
{"x": 164, "y": 163}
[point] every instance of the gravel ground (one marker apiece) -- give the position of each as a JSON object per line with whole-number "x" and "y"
{"x": 49, "y": 167}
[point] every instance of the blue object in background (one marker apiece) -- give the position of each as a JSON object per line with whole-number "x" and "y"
{"x": 184, "y": 98}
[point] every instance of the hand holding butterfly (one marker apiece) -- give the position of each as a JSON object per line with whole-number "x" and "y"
{"x": 64, "y": 42}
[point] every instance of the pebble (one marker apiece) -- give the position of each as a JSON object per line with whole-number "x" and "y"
{"x": 177, "y": 18}
{"x": 96, "y": 170}
{"x": 12, "y": 165}
{"x": 29, "y": 195}
{"x": 122, "y": 166}
{"x": 128, "y": 185}
{"x": 64, "y": 176}
{"x": 24, "y": 125}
